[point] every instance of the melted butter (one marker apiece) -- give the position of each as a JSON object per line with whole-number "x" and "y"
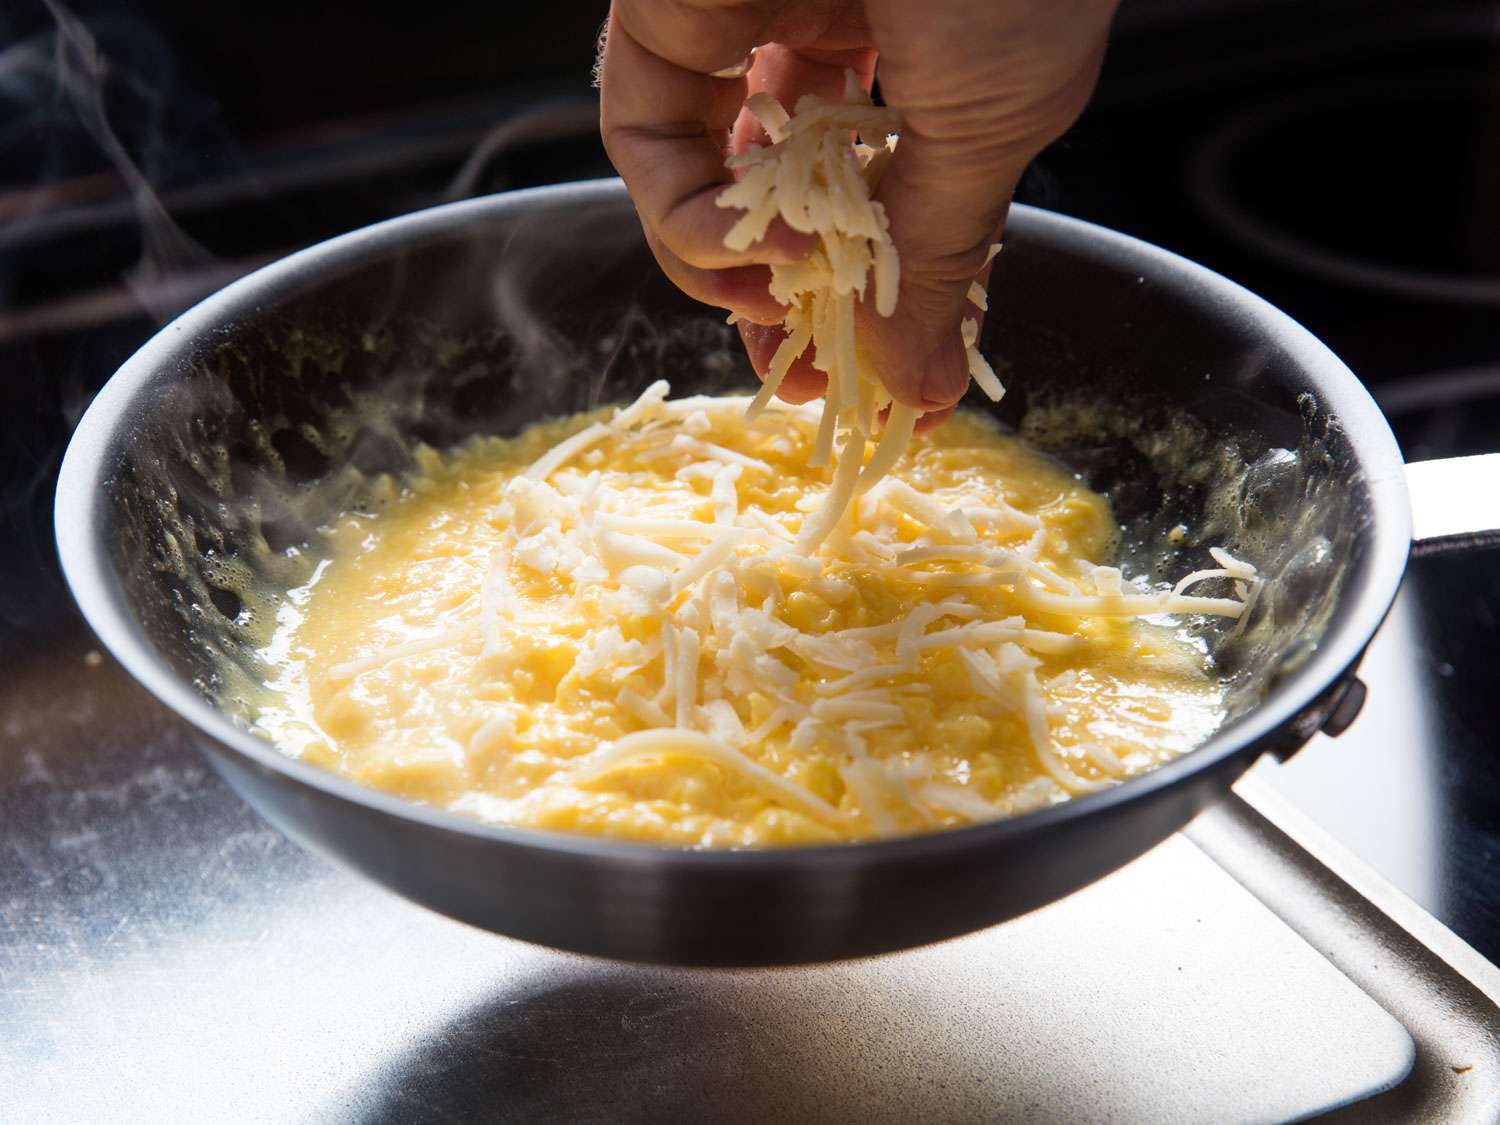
{"x": 494, "y": 734}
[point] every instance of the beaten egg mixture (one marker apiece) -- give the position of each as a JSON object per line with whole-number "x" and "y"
{"x": 603, "y": 625}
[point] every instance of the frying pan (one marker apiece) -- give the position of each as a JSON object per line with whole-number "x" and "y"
{"x": 198, "y": 479}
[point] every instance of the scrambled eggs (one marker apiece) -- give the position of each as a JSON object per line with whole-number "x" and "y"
{"x": 603, "y": 625}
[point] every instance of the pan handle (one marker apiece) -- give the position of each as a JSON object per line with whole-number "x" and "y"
{"x": 1455, "y": 503}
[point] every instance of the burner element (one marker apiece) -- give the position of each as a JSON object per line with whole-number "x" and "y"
{"x": 1379, "y": 185}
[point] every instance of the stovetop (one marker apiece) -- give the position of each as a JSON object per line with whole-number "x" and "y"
{"x": 1263, "y": 153}
{"x": 167, "y": 956}
{"x": 1414, "y": 785}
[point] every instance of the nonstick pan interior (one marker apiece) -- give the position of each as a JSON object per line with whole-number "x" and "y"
{"x": 277, "y": 425}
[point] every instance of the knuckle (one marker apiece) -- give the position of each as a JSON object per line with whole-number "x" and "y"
{"x": 934, "y": 276}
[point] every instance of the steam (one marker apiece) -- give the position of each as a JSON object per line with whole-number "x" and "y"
{"x": 555, "y": 119}
{"x": 81, "y": 72}
{"x": 91, "y": 118}
{"x": 95, "y": 130}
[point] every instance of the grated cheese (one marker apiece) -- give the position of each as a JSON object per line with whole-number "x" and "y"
{"x": 952, "y": 523}
{"x": 352, "y": 668}
{"x": 726, "y": 497}
{"x": 619, "y": 550}
{"x": 686, "y": 667}
{"x": 653, "y": 743}
{"x": 818, "y": 175}
{"x": 956, "y": 799}
{"x": 493, "y": 732}
{"x": 877, "y": 673}
{"x": 690, "y": 444}
{"x": 703, "y": 564}
{"x": 681, "y": 609}
{"x": 643, "y": 709}
{"x": 654, "y": 527}
{"x": 858, "y": 776}
{"x": 846, "y": 708}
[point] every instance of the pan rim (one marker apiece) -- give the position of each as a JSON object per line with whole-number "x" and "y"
{"x": 80, "y": 500}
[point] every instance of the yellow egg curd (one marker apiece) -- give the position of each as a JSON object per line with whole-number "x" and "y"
{"x": 606, "y": 625}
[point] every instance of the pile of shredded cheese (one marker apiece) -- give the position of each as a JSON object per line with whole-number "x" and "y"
{"x": 819, "y": 182}
{"x": 713, "y": 588}
{"x": 646, "y": 602}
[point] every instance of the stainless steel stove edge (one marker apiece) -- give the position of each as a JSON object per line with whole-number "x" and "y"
{"x": 1440, "y": 989}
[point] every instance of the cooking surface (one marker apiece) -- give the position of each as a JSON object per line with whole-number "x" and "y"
{"x": 154, "y": 927}
{"x": 151, "y": 925}
{"x": 1414, "y": 785}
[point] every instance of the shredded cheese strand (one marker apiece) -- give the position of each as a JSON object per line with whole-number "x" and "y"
{"x": 660, "y": 743}
{"x": 819, "y": 181}
{"x": 693, "y": 571}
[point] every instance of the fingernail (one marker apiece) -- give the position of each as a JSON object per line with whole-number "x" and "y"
{"x": 739, "y": 69}
{"x": 945, "y": 375}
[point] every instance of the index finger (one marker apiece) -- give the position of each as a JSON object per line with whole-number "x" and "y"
{"x": 665, "y": 121}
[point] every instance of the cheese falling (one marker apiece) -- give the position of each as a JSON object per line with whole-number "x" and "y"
{"x": 609, "y": 625}
{"x": 819, "y": 181}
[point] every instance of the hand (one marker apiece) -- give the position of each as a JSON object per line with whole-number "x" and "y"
{"x": 982, "y": 86}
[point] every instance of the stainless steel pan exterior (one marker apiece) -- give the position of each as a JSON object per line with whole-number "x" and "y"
{"x": 484, "y": 315}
